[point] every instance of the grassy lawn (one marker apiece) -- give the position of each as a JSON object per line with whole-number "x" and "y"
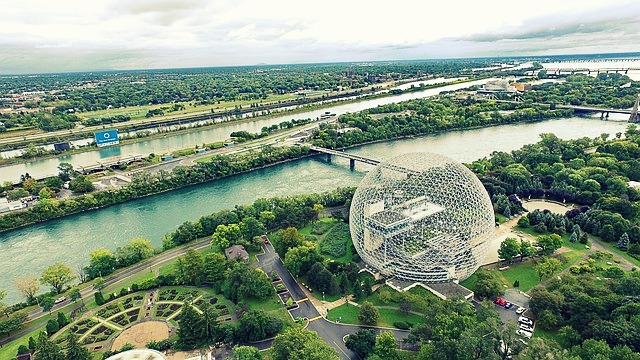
{"x": 349, "y": 315}
{"x": 10, "y": 350}
{"x": 614, "y": 249}
{"x": 470, "y": 282}
{"x": 545, "y": 334}
{"x": 500, "y": 218}
{"x": 272, "y": 306}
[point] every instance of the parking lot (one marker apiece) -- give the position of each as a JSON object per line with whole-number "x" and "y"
{"x": 517, "y": 300}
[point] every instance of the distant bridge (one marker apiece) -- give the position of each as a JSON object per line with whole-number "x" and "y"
{"x": 604, "y": 112}
{"x": 558, "y": 71}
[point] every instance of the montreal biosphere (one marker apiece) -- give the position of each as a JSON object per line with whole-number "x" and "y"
{"x": 422, "y": 217}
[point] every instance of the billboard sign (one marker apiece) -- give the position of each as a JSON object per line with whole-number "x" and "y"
{"x": 106, "y": 138}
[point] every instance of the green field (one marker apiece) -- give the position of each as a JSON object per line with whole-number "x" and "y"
{"x": 349, "y": 315}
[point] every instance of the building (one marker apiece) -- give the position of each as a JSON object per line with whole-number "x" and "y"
{"x": 235, "y": 252}
{"x": 521, "y": 87}
{"x": 421, "y": 218}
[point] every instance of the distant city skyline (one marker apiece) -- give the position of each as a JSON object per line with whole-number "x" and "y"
{"x": 58, "y": 36}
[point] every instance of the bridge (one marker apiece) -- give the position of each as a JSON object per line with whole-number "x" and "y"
{"x": 558, "y": 71}
{"x": 353, "y": 158}
{"x": 604, "y": 112}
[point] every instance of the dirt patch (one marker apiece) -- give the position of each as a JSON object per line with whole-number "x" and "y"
{"x": 140, "y": 334}
{"x": 542, "y": 205}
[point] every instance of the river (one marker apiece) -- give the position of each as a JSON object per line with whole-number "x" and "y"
{"x": 47, "y": 167}
{"x": 71, "y": 239}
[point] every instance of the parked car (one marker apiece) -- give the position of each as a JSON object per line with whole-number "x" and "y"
{"x": 497, "y": 300}
{"x": 508, "y": 305}
{"x": 526, "y": 328}
{"x": 525, "y": 320}
{"x": 521, "y": 310}
{"x": 526, "y": 334}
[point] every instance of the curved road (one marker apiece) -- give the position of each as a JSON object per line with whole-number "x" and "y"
{"x": 332, "y": 333}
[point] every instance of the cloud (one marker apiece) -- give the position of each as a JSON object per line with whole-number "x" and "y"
{"x": 41, "y": 35}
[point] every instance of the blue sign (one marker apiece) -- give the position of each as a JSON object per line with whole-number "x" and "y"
{"x": 108, "y": 137}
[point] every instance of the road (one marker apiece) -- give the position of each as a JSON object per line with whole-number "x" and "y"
{"x": 332, "y": 333}
{"x": 111, "y": 281}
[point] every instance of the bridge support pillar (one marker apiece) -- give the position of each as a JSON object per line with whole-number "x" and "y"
{"x": 602, "y": 115}
{"x": 607, "y": 116}
{"x": 328, "y": 158}
{"x": 352, "y": 164}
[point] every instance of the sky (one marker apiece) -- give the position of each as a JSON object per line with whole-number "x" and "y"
{"x": 68, "y": 35}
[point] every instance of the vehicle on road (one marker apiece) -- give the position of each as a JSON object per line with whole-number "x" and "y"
{"x": 60, "y": 299}
{"x": 521, "y": 310}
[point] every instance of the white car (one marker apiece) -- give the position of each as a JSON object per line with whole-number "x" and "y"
{"x": 526, "y": 334}
{"x": 60, "y": 299}
{"x": 520, "y": 310}
{"x": 525, "y": 320}
{"x": 526, "y": 328}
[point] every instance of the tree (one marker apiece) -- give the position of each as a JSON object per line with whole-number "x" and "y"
{"x": 526, "y": 249}
{"x": 62, "y": 319}
{"x": 225, "y": 235}
{"x": 98, "y": 284}
{"x": 12, "y": 323}
{"x": 246, "y": 353}
{"x": 102, "y": 262}
{"x": 81, "y": 185}
{"x": 301, "y": 344}
{"x": 547, "y": 267}
{"x": 190, "y": 268}
{"x": 362, "y": 342}
{"x": 250, "y": 227}
{"x": 190, "y": 330}
{"x": 623, "y": 243}
{"x": 57, "y": 276}
{"x": 523, "y": 222}
{"x": 99, "y": 298}
{"x": 75, "y": 294}
{"x": 47, "y": 303}
{"x": 509, "y": 248}
{"x": 65, "y": 171}
{"x": 488, "y": 285}
{"x": 215, "y": 265}
{"x": 299, "y": 259}
{"x": 75, "y": 351}
{"x": 386, "y": 346}
{"x": 405, "y": 307}
{"x": 256, "y": 325}
{"x": 368, "y": 314}
{"x": 134, "y": 251}
{"x": 573, "y": 238}
{"x": 47, "y": 350}
{"x": 3, "y": 306}
{"x": 549, "y": 243}
{"x": 289, "y": 238}
{"x": 28, "y": 287}
{"x": 52, "y": 327}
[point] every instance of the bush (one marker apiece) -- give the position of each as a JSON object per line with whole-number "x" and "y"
{"x": 52, "y": 327}
{"x": 401, "y": 325}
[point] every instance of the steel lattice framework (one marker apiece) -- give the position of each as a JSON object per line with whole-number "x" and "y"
{"x": 422, "y": 217}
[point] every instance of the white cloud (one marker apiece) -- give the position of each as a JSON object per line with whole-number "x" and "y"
{"x": 172, "y": 33}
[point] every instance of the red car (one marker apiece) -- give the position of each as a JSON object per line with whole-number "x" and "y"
{"x": 500, "y": 301}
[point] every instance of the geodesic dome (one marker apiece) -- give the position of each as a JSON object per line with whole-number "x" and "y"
{"x": 421, "y": 217}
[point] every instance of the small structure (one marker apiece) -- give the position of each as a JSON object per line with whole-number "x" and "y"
{"x": 26, "y": 356}
{"x": 237, "y": 251}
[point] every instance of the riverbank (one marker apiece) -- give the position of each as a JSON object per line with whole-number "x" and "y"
{"x": 300, "y": 109}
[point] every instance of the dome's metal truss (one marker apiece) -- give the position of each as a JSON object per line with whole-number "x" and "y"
{"x": 422, "y": 217}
